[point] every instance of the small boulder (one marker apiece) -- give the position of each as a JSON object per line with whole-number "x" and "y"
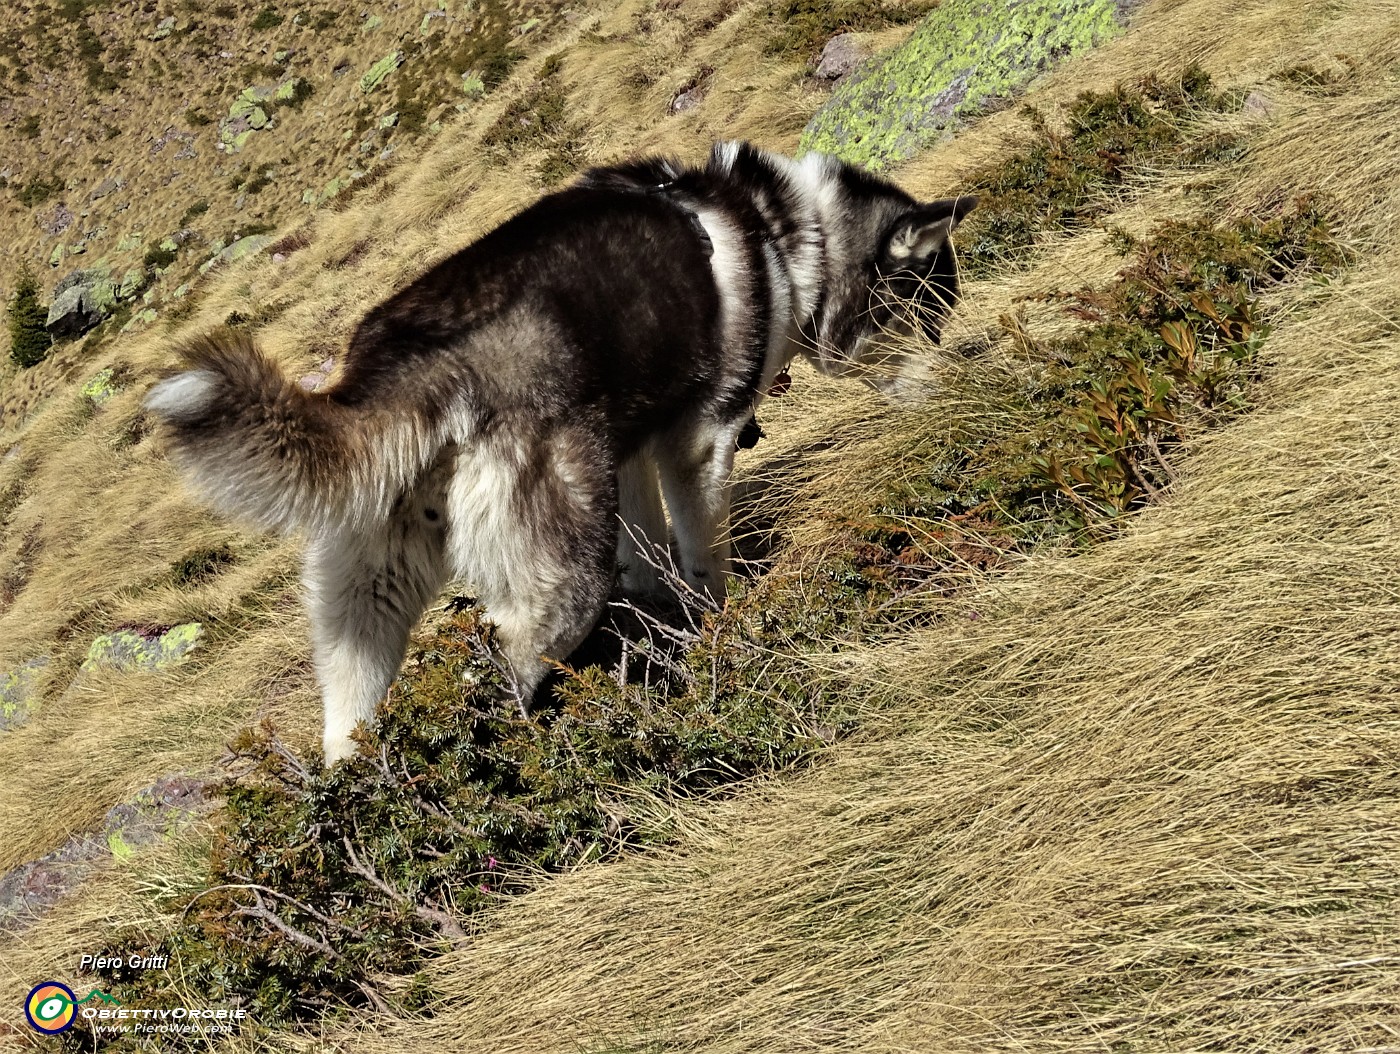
{"x": 688, "y": 99}
{"x": 237, "y": 250}
{"x": 380, "y": 70}
{"x": 108, "y": 186}
{"x": 100, "y": 387}
{"x": 1257, "y": 105}
{"x": 143, "y": 648}
{"x": 81, "y": 300}
{"x": 58, "y": 220}
{"x": 19, "y": 692}
{"x": 840, "y": 56}
{"x": 132, "y": 283}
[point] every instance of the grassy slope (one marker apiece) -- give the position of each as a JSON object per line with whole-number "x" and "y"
{"x": 57, "y": 125}
{"x": 1075, "y": 819}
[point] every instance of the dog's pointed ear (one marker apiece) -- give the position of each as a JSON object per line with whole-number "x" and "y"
{"x": 915, "y": 239}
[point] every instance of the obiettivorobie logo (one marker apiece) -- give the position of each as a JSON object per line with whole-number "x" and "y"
{"x": 51, "y": 1007}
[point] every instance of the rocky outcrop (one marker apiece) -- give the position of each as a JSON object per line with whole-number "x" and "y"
{"x": 81, "y": 300}
{"x": 142, "y": 648}
{"x": 964, "y": 55}
{"x": 380, "y": 70}
{"x": 238, "y": 249}
{"x": 252, "y": 111}
{"x": 32, "y": 888}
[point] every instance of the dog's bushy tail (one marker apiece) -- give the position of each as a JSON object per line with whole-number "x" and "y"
{"x": 263, "y": 449}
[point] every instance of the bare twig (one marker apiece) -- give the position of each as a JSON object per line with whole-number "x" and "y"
{"x": 441, "y": 920}
{"x": 260, "y": 910}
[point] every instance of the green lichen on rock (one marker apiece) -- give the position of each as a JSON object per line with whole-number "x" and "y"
{"x": 132, "y": 282}
{"x": 100, "y": 387}
{"x": 144, "y": 317}
{"x": 964, "y": 55}
{"x": 19, "y": 692}
{"x": 237, "y": 250}
{"x": 288, "y": 90}
{"x": 380, "y": 70}
{"x": 250, "y": 112}
{"x": 143, "y": 649}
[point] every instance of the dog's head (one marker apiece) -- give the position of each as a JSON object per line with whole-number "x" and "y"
{"x": 890, "y": 272}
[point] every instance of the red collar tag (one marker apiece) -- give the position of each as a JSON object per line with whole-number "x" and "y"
{"x": 781, "y": 383}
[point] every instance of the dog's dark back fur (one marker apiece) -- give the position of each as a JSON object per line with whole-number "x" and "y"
{"x": 609, "y": 274}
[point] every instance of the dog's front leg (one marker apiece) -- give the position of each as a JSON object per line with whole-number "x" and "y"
{"x": 643, "y": 526}
{"x": 694, "y": 466}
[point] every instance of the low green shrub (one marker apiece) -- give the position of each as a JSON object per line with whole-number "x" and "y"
{"x": 321, "y": 880}
{"x": 1062, "y": 178}
{"x": 804, "y": 26}
{"x": 267, "y": 18}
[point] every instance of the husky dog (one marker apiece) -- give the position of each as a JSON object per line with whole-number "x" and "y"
{"x": 498, "y": 419}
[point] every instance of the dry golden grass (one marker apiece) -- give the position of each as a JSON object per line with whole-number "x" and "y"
{"x": 1143, "y": 796}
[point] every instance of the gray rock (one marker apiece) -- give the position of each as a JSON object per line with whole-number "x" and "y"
{"x": 242, "y": 247}
{"x": 19, "y": 692}
{"x": 316, "y": 379}
{"x": 59, "y": 219}
{"x": 81, "y": 300}
{"x": 841, "y": 54}
{"x": 29, "y": 890}
{"x": 1257, "y": 105}
{"x": 107, "y": 186}
{"x": 142, "y": 648}
{"x": 688, "y": 100}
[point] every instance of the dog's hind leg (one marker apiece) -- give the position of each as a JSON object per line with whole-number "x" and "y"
{"x": 364, "y": 592}
{"x": 695, "y": 460}
{"x": 643, "y": 526}
{"x": 534, "y": 530}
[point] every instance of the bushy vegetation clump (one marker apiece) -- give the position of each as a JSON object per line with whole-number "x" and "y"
{"x": 1064, "y": 176}
{"x": 29, "y": 340}
{"x": 323, "y": 880}
{"x": 1165, "y": 350}
{"x": 540, "y": 119}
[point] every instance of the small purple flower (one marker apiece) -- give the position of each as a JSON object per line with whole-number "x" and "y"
{"x": 484, "y": 888}
{"x": 490, "y": 863}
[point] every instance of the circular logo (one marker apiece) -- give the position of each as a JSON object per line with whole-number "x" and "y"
{"x": 51, "y": 1008}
